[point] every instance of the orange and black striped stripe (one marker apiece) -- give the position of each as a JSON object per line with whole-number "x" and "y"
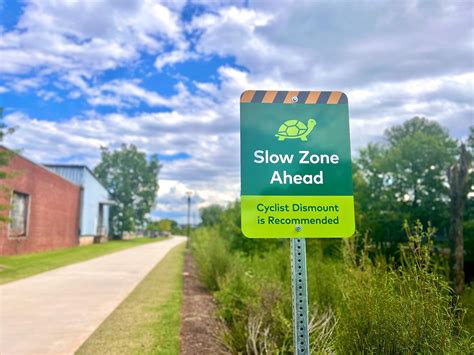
{"x": 286, "y": 97}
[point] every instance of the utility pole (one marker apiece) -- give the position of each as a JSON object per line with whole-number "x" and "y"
{"x": 189, "y": 193}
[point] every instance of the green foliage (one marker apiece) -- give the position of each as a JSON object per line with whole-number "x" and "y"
{"x": 211, "y": 215}
{"x": 470, "y": 139}
{"x": 206, "y": 243}
{"x": 404, "y": 178}
{"x": 256, "y": 306}
{"x": 363, "y": 296}
{"x": 469, "y": 239}
{"x": 467, "y": 300}
{"x": 229, "y": 228}
{"x": 359, "y": 301}
{"x": 254, "y": 296}
{"x": 153, "y": 226}
{"x": 469, "y": 209}
{"x": 404, "y": 309}
{"x": 165, "y": 225}
{"x": 133, "y": 181}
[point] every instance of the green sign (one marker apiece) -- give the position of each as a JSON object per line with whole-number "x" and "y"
{"x": 296, "y": 170}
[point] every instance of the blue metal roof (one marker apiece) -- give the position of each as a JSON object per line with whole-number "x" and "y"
{"x": 74, "y": 173}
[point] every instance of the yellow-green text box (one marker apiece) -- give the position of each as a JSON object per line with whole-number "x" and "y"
{"x": 282, "y": 216}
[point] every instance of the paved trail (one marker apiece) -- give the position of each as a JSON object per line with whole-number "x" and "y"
{"x": 55, "y": 312}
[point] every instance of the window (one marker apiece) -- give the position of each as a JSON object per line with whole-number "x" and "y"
{"x": 19, "y": 215}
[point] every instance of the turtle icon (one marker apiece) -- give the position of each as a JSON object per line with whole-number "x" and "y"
{"x": 293, "y": 129}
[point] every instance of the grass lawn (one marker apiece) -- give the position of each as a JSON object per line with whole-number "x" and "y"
{"x": 20, "y": 266}
{"x": 148, "y": 321}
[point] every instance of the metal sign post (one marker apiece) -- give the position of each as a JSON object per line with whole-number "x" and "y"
{"x": 300, "y": 296}
{"x": 296, "y": 177}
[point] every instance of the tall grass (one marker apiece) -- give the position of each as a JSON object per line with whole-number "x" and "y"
{"x": 399, "y": 309}
{"x": 210, "y": 253}
{"x": 358, "y": 302}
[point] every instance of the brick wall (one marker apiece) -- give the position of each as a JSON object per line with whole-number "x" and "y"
{"x": 53, "y": 212}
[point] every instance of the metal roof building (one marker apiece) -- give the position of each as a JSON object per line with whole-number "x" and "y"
{"x": 95, "y": 199}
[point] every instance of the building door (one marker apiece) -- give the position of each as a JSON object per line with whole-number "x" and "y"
{"x": 100, "y": 225}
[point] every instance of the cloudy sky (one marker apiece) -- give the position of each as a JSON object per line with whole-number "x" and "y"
{"x": 167, "y": 76}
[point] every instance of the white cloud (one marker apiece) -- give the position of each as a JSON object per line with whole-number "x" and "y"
{"x": 341, "y": 45}
{"x": 49, "y": 95}
{"x": 394, "y": 60}
{"x": 86, "y": 36}
{"x": 173, "y": 57}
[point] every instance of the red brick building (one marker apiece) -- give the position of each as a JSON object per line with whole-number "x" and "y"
{"x": 43, "y": 209}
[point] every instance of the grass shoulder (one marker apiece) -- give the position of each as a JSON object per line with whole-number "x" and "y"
{"x": 148, "y": 320}
{"x": 17, "y": 267}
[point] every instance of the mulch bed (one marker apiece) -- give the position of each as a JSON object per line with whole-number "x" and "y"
{"x": 200, "y": 328}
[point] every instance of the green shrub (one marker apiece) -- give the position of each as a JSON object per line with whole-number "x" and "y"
{"x": 359, "y": 302}
{"x": 253, "y": 293}
{"x": 212, "y": 256}
{"x": 408, "y": 309}
{"x": 254, "y": 301}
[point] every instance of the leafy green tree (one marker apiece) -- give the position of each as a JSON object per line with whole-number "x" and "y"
{"x": 405, "y": 178}
{"x": 229, "y": 227}
{"x": 469, "y": 209}
{"x": 175, "y": 227}
{"x": 167, "y": 225}
{"x": 133, "y": 181}
{"x": 458, "y": 178}
{"x": 153, "y": 226}
{"x": 211, "y": 215}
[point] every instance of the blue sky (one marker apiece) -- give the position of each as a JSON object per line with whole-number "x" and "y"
{"x": 167, "y": 75}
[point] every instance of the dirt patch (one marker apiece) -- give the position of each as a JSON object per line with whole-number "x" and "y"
{"x": 200, "y": 327}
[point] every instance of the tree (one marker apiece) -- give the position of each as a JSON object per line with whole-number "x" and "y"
{"x": 405, "y": 178}
{"x": 133, "y": 181}
{"x": 468, "y": 228}
{"x": 165, "y": 225}
{"x": 458, "y": 176}
{"x": 153, "y": 226}
{"x": 211, "y": 215}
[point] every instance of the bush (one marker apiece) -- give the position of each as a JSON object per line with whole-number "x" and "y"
{"x": 253, "y": 293}
{"x": 212, "y": 256}
{"x": 255, "y": 302}
{"x": 359, "y": 302}
{"x": 408, "y": 309}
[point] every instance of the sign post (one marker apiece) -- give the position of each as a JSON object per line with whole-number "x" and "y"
{"x": 296, "y": 177}
{"x": 299, "y": 291}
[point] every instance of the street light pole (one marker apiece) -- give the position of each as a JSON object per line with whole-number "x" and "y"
{"x": 189, "y": 193}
